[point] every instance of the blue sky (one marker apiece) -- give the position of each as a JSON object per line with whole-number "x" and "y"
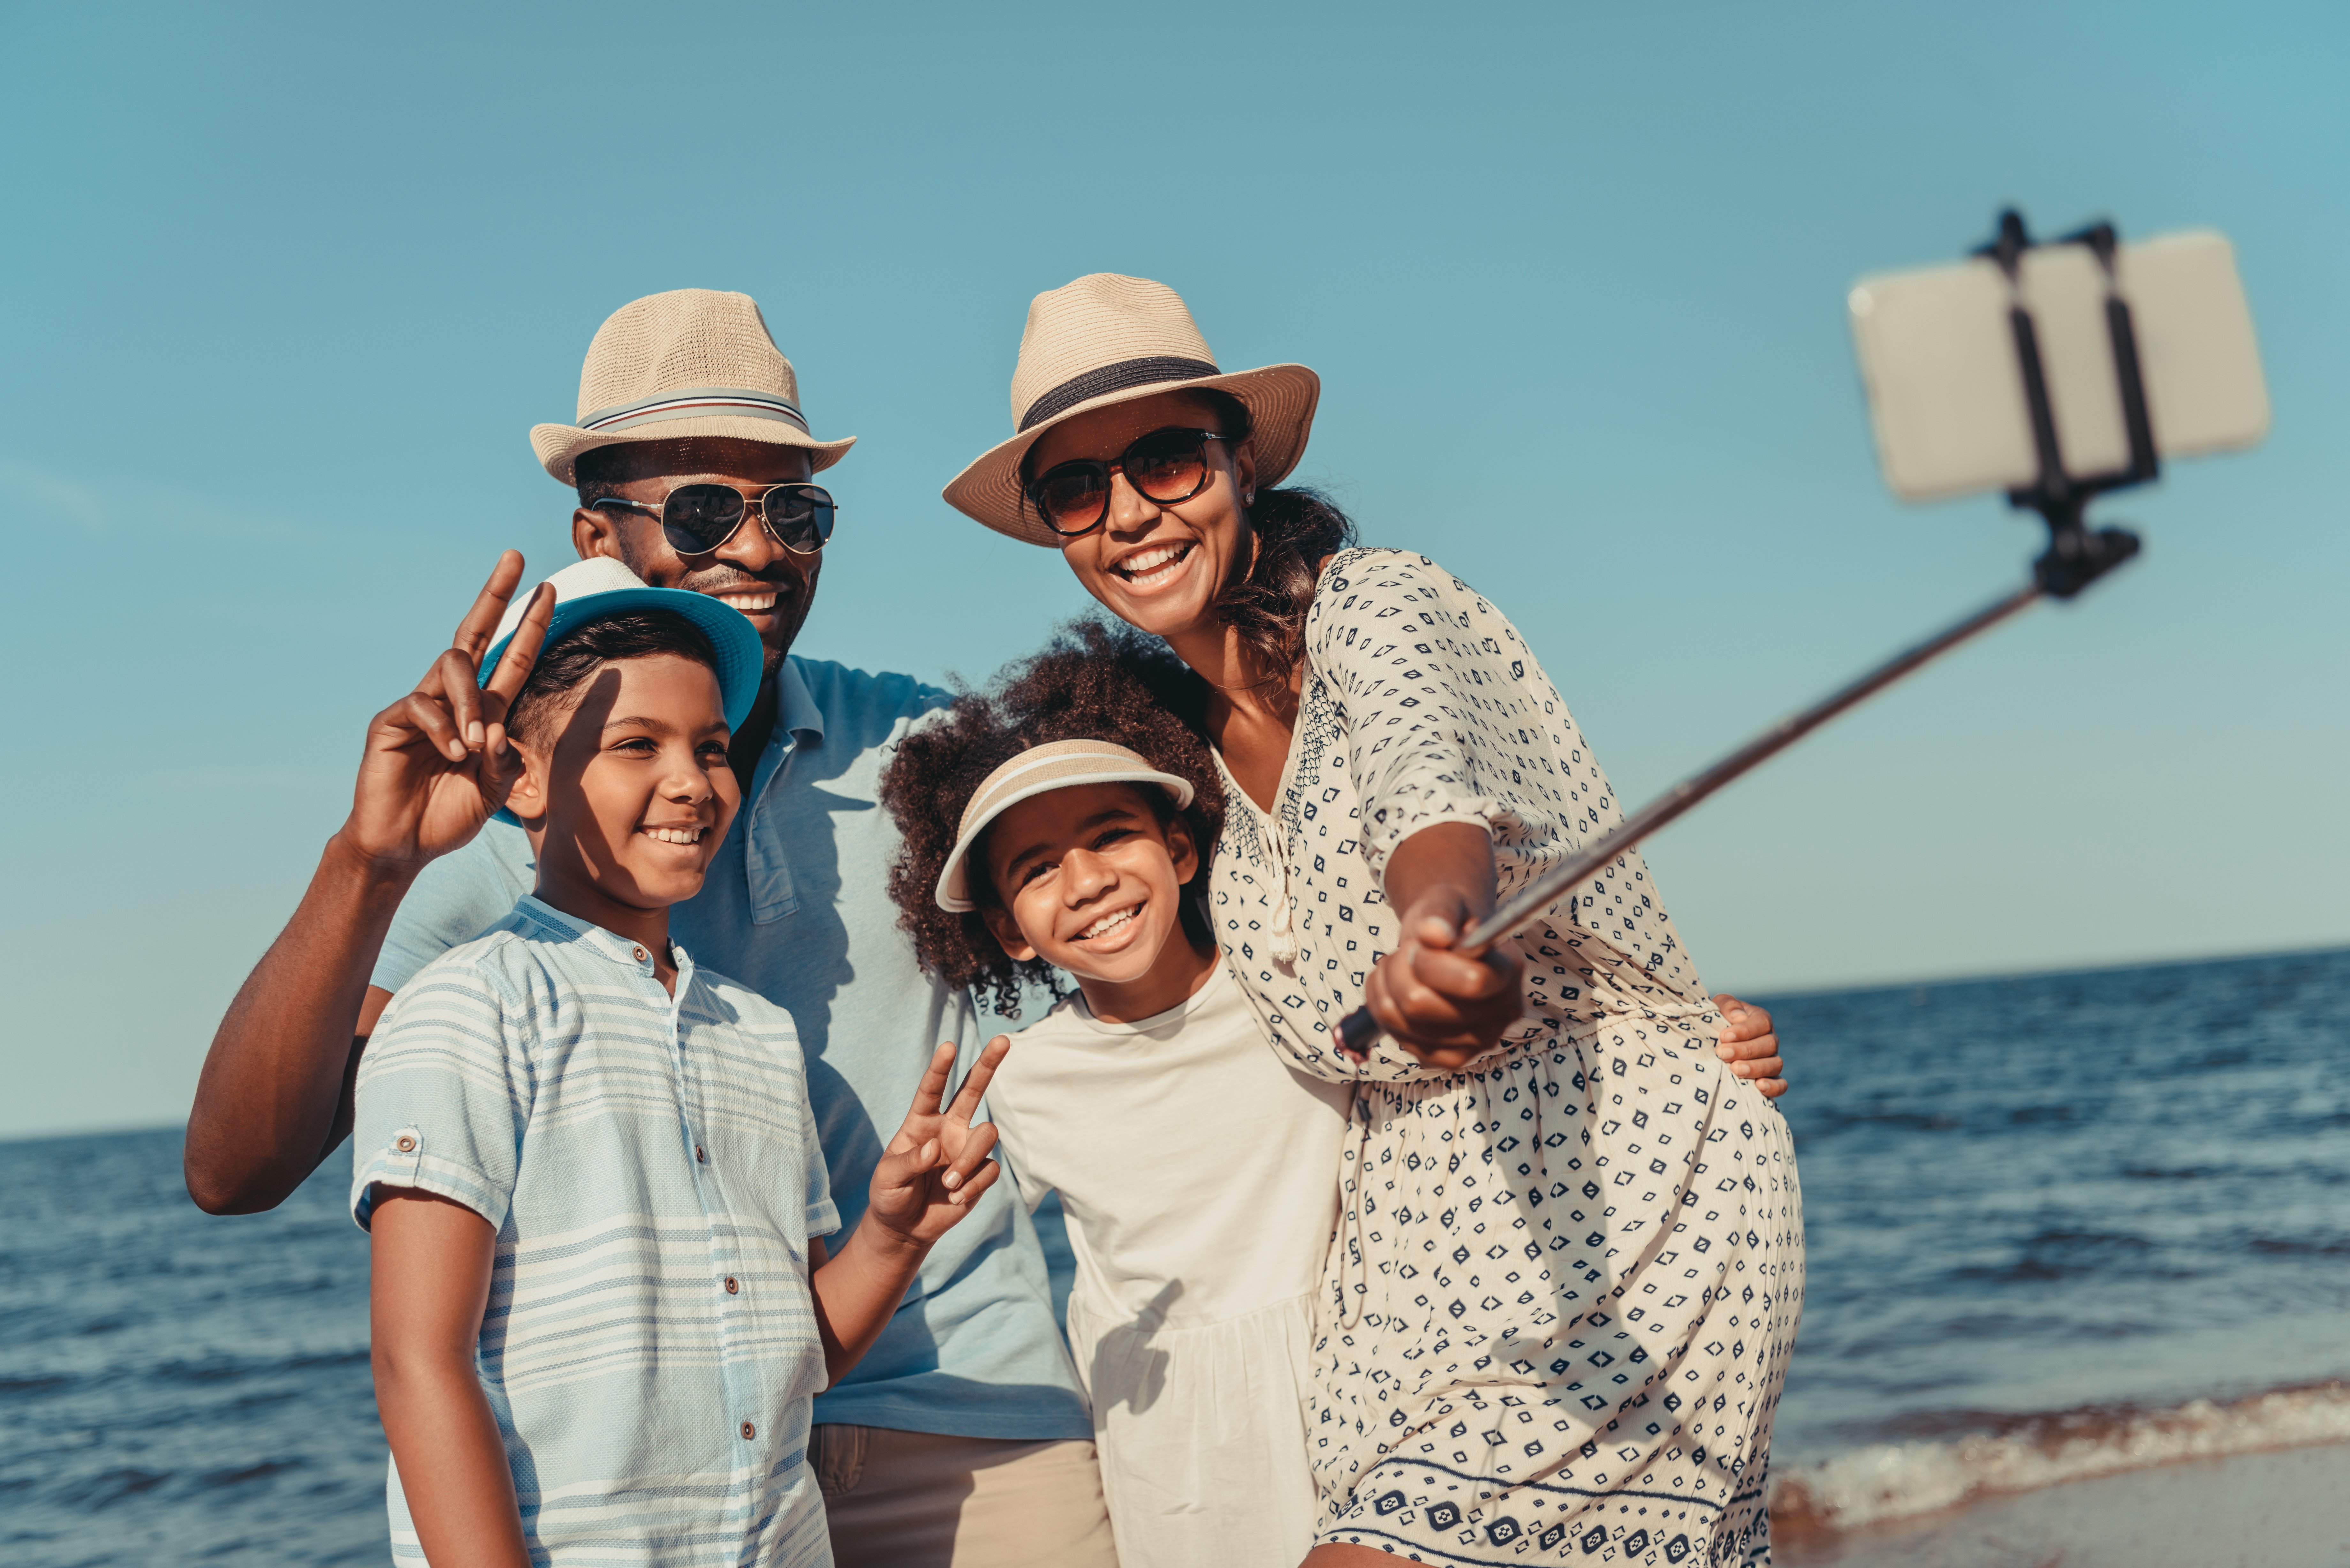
{"x": 287, "y": 288}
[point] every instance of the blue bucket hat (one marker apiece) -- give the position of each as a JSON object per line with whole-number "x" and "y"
{"x": 598, "y": 586}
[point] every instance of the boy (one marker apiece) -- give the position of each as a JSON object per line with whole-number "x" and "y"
{"x": 601, "y": 1304}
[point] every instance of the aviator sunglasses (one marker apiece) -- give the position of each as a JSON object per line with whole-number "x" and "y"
{"x": 698, "y": 518}
{"x": 1165, "y": 466}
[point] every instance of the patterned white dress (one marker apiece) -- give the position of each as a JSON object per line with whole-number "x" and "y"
{"x": 1565, "y": 1283}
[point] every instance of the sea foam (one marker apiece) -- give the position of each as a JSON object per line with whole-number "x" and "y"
{"x": 1900, "y": 1480}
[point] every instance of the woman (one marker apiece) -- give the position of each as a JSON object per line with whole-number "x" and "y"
{"x": 1570, "y": 1257}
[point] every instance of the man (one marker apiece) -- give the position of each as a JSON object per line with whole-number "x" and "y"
{"x": 962, "y": 1437}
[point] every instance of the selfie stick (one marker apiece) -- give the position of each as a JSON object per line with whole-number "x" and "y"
{"x": 2076, "y": 557}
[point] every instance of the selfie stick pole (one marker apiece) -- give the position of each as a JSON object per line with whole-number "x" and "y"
{"x": 2076, "y": 557}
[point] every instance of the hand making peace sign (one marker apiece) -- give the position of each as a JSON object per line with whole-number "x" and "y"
{"x": 936, "y": 1168}
{"x": 437, "y": 763}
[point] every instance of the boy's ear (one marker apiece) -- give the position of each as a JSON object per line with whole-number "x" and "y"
{"x": 1006, "y": 932}
{"x": 527, "y": 797}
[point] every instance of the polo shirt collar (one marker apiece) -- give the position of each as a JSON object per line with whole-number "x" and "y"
{"x": 796, "y": 706}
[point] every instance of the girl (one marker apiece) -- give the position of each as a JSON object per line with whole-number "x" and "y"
{"x": 1197, "y": 1170}
{"x": 1570, "y": 1256}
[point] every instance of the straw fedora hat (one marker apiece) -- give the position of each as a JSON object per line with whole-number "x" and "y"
{"x": 1107, "y": 340}
{"x": 670, "y": 367}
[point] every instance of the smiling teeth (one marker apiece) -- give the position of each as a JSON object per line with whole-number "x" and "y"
{"x": 748, "y": 604}
{"x": 674, "y": 834}
{"x": 1145, "y": 563}
{"x": 1106, "y": 925}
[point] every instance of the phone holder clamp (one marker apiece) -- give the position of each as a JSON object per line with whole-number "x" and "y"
{"x": 2077, "y": 554}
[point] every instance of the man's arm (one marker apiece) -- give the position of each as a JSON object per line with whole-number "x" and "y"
{"x": 432, "y": 1260}
{"x": 275, "y": 1095}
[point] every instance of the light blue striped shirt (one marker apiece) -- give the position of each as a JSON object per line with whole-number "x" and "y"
{"x": 651, "y": 1169}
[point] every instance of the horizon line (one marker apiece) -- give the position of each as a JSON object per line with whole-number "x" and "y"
{"x": 121, "y": 1131}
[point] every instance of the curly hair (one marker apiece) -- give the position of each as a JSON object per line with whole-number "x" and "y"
{"x": 1095, "y": 680}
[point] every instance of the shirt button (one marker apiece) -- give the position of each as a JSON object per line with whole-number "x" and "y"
{"x": 700, "y": 1157}
{"x": 733, "y": 1284}
{"x": 749, "y": 1430}
{"x": 405, "y": 1143}
{"x": 642, "y": 954}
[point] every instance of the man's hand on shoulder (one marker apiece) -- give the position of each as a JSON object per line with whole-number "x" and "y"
{"x": 1750, "y": 1046}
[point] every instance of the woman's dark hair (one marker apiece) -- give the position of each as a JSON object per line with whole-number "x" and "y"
{"x": 1295, "y": 529}
{"x": 567, "y": 663}
{"x": 1096, "y": 681}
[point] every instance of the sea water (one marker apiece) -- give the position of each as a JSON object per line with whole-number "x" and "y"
{"x": 2058, "y": 1226}
{"x": 2063, "y": 1225}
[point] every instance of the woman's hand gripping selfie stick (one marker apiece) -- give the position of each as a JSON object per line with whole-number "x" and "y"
{"x": 2076, "y": 557}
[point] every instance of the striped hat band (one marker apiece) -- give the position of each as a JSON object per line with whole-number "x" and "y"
{"x": 694, "y": 402}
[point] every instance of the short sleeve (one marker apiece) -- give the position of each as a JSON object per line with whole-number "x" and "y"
{"x": 443, "y": 1095}
{"x": 823, "y": 1213}
{"x": 456, "y": 899}
{"x": 1032, "y": 1190}
{"x": 1423, "y": 700}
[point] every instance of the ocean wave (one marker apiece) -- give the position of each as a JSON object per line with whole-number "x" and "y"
{"x": 1900, "y": 1480}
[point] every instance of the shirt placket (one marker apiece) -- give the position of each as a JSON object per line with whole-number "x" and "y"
{"x": 765, "y": 868}
{"x": 736, "y": 1393}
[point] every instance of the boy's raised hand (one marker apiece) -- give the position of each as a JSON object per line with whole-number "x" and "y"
{"x": 937, "y": 1165}
{"x": 437, "y": 763}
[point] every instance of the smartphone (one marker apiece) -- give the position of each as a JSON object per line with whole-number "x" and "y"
{"x": 1946, "y": 392}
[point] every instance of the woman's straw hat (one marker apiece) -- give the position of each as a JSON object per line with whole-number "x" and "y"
{"x": 1107, "y": 340}
{"x": 670, "y": 367}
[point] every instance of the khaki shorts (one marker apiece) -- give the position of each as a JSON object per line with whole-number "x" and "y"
{"x": 917, "y": 1500}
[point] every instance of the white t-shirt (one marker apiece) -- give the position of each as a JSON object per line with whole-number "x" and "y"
{"x": 1200, "y": 1175}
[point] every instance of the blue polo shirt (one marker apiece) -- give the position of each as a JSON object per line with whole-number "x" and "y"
{"x": 797, "y": 906}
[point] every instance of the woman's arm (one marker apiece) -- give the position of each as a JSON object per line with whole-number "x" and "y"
{"x": 432, "y": 1260}
{"x": 1444, "y": 1007}
{"x": 1448, "y": 1009}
